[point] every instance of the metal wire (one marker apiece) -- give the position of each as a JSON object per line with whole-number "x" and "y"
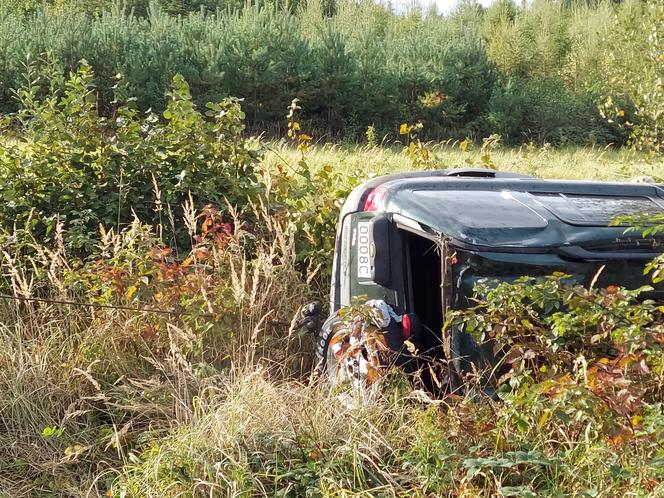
{"x": 8, "y": 297}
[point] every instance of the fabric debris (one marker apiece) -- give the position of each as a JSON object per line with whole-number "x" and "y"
{"x": 387, "y": 313}
{"x": 359, "y": 345}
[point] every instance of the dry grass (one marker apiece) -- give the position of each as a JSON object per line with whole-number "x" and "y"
{"x": 92, "y": 403}
{"x": 80, "y": 387}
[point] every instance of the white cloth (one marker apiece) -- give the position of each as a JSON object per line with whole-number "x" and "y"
{"x": 387, "y": 313}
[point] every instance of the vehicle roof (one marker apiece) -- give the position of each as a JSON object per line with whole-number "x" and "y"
{"x": 507, "y": 210}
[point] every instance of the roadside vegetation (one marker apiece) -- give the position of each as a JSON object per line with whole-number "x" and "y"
{"x": 154, "y": 251}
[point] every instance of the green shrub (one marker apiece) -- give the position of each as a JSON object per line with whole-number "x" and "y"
{"x": 562, "y": 117}
{"x": 68, "y": 163}
{"x": 598, "y": 348}
{"x": 310, "y": 199}
{"x": 546, "y": 112}
{"x": 635, "y": 68}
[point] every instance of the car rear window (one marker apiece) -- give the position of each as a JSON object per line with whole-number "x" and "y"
{"x": 596, "y": 209}
{"x": 481, "y": 209}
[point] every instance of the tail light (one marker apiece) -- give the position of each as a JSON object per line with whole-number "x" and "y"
{"x": 375, "y": 199}
{"x": 406, "y": 327}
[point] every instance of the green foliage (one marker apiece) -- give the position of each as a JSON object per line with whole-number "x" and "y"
{"x": 310, "y": 199}
{"x": 600, "y": 350}
{"x": 418, "y": 153}
{"x": 636, "y": 73}
{"x": 571, "y": 360}
{"x": 546, "y": 112}
{"x": 140, "y": 7}
{"x": 647, "y": 225}
{"x": 72, "y": 165}
{"x": 370, "y": 134}
{"x": 525, "y": 72}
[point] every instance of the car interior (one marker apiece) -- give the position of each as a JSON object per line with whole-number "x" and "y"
{"x": 424, "y": 274}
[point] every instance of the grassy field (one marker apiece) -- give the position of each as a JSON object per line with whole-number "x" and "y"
{"x": 578, "y": 163}
{"x": 153, "y": 263}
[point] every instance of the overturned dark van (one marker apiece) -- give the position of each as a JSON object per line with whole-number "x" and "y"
{"x": 416, "y": 243}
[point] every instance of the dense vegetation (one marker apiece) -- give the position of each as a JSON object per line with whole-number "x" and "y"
{"x": 209, "y": 396}
{"x": 189, "y": 246}
{"x": 537, "y": 73}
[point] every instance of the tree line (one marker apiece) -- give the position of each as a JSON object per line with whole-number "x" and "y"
{"x": 540, "y": 72}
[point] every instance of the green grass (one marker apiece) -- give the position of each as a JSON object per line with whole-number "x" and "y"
{"x": 579, "y": 163}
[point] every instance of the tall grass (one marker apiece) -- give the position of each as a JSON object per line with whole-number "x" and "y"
{"x": 575, "y": 163}
{"x": 212, "y": 397}
{"x": 98, "y": 402}
{"x": 81, "y": 387}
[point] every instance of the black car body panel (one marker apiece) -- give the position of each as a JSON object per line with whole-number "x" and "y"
{"x": 501, "y": 225}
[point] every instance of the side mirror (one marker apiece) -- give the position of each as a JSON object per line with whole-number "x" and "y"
{"x": 379, "y": 250}
{"x": 310, "y": 317}
{"x": 374, "y": 250}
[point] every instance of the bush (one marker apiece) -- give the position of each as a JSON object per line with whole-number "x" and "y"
{"x": 310, "y": 199}
{"x": 635, "y": 68}
{"x": 70, "y": 164}
{"x": 545, "y": 112}
{"x": 263, "y": 60}
{"x": 599, "y": 349}
{"x": 83, "y": 385}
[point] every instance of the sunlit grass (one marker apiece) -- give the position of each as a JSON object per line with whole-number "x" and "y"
{"x": 578, "y": 163}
